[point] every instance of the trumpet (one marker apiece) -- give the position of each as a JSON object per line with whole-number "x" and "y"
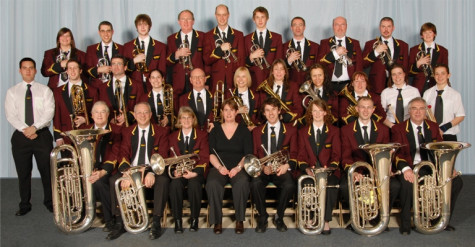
{"x": 384, "y": 54}
{"x": 168, "y": 108}
{"x": 78, "y": 102}
{"x": 426, "y": 68}
{"x": 352, "y": 107}
{"x": 343, "y": 59}
{"x": 266, "y": 88}
{"x": 119, "y": 96}
{"x": 218, "y": 101}
{"x": 306, "y": 87}
{"x": 259, "y": 62}
{"x": 298, "y": 64}
{"x": 141, "y": 66}
{"x": 245, "y": 116}
{"x": 253, "y": 165}
{"x": 430, "y": 114}
{"x": 180, "y": 164}
{"x": 228, "y": 54}
{"x": 186, "y": 60}
{"x": 104, "y": 62}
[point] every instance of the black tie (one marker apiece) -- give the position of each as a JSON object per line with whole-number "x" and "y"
{"x": 299, "y": 49}
{"x": 339, "y": 66}
{"x": 143, "y": 46}
{"x": 399, "y": 107}
{"x": 201, "y": 108}
{"x": 278, "y": 91}
{"x": 141, "y": 160}
{"x": 261, "y": 41}
{"x": 240, "y": 95}
{"x": 159, "y": 105}
{"x": 186, "y": 39}
{"x": 224, "y": 36}
{"x": 118, "y": 93}
{"x": 428, "y": 51}
{"x": 273, "y": 141}
{"x": 439, "y": 107}
{"x": 318, "y": 139}
{"x": 187, "y": 143}
{"x": 29, "y": 120}
{"x": 389, "y": 50}
{"x": 365, "y": 134}
{"x": 106, "y": 53}
{"x": 421, "y": 140}
{"x": 318, "y": 93}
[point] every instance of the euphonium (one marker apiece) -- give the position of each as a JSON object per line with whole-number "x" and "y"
{"x": 351, "y": 108}
{"x": 383, "y": 54}
{"x": 426, "y": 68}
{"x": 105, "y": 77}
{"x": 218, "y": 101}
{"x": 78, "y": 103}
{"x": 298, "y": 64}
{"x": 119, "y": 96}
{"x": 266, "y": 88}
{"x": 343, "y": 59}
{"x": 432, "y": 192}
{"x": 179, "y": 164}
{"x": 168, "y": 108}
{"x": 253, "y": 165}
{"x": 73, "y": 199}
{"x": 259, "y": 62}
{"x": 369, "y": 197}
{"x": 141, "y": 66}
{"x": 311, "y": 201}
{"x": 245, "y": 116}
{"x": 186, "y": 60}
{"x": 228, "y": 54}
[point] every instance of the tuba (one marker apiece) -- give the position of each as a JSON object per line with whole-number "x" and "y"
{"x": 105, "y": 77}
{"x": 426, "y": 68}
{"x": 343, "y": 59}
{"x": 266, "y": 88}
{"x": 369, "y": 197}
{"x": 141, "y": 66}
{"x": 383, "y": 54}
{"x": 245, "y": 116}
{"x": 253, "y": 165}
{"x": 298, "y": 64}
{"x": 73, "y": 199}
{"x": 228, "y": 54}
{"x": 168, "y": 108}
{"x": 432, "y": 192}
{"x": 78, "y": 103}
{"x": 311, "y": 201}
{"x": 186, "y": 60}
{"x": 351, "y": 108}
{"x": 218, "y": 101}
{"x": 259, "y": 62}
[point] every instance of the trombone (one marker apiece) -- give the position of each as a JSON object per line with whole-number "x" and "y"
{"x": 218, "y": 101}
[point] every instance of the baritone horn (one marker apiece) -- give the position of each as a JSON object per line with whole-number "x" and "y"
{"x": 105, "y": 77}
{"x": 298, "y": 64}
{"x": 312, "y": 201}
{"x": 78, "y": 103}
{"x": 432, "y": 192}
{"x": 228, "y": 54}
{"x": 73, "y": 197}
{"x": 261, "y": 61}
{"x": 369, "y": 197}
{"x": 384, "y": 54}
{"x": 186, "y": 60}
{"x": 264, "y": 86}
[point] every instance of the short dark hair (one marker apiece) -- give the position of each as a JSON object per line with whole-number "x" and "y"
{"x": 270, "y": 101}
{"x": 74, "y": 61}
{"x": 27, "y": 59}
{"x": 395, "y": 66}
{"x": 124, "y": 60}
{"x": 297, "y": 18}
{"x": 107, "y": 23}
{"x": 387, "y": 19}
{"x": 262, "y": 10}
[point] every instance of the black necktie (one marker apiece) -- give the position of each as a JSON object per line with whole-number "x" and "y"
{"x": 439, "y": 107}
{"x": 187, "y": 144}
{"x": 365, "y": 134}
{"x": 261, "y": 40}
{"x": 318, "y": 93}
{"x": 118, "y": 93}
{"x": 224, "y": 36}
{"x": 399, "y": 107}
{"x": 278, "y": 91}
{"x": 141, "y": 160}
{"x": 240, "y": 95}
{"x": 273, "y": 141}
{"x": 186, "y": 39}
{"x": 318, "y": 139}
{"x": 428, "y": 51}
{"x": 421, "y": 140}
{"x": 389, "y": 50}
{"x": 159, "y": 105}
{"x": 143, "y": 46}
{"x": 339, "y": 66}
{"x": 299, "y": 49}
{"x": 201, "y": 108}
{"x": 106, "y": 53}
{"x": 29, "y": 120}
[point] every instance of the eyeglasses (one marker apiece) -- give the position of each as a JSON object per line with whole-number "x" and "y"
{"x": 198, "y": 77}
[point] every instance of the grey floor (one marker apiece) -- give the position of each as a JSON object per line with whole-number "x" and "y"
{"x": 37, "y": 229}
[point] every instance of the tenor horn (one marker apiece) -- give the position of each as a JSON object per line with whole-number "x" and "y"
{"x": 73, "y": 199}
{"x": 432, "y": 192}
{"x": 369, "y": 197}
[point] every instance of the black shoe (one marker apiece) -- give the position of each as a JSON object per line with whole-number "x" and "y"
{"x": 194, "y": 225}
{"x": 327, "y": 232}
{"x": 117, "y": 230}
{"x": 109, "y": 226}
{"x": 280, "y": 225}
{"x": 22, "y": 211}
{"x": 404, "y": 231}
{"x": 449, "y": 228}
{"x": 239, "y": 227}
{"x": 178, "y": 226}
{"x": 50, "y": 208}
{"x": 350, "y": 227}
{"x": 261, "y": 225}
{"x": 387, "y": 229}
{"x": 156, "y": 229}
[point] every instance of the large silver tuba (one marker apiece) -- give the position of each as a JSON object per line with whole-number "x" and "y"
{"x": 369, "y": 197}
{"x": 432, "y": 192}
{"x": 311, "y": 201}
{"x": 73, "y": 199}
{"x": 105, "y": 77}
{"x": 253, "y": 165}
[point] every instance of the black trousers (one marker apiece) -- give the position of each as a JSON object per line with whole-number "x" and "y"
{"x": 286, "y": 185}
{"x": 23, "y": 150}
{"x": 331, "y": 195}
{"x": 194, "y": 188}
{"x": 103, "y": 193}
{"x": 215, "y": 189}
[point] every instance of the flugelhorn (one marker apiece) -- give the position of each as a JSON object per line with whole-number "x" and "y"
{"x": 245, "y": 116}
{"x": 261, "y": 61}
{"x": 343, "y": 59}
{"x": 384, "y": 54}
{"x": 432, "y": 192}
{"x": 218, "y": 100}
{"x": 264, "y": 86}
{"x": 141, "y": 66}
{"x": 105, "y": 77}
{"x": 228, "y": 54}
{"x": 299, "y": 63}
{"x": 253, "y": 165}
{"x": 78, "y": 103}
{"x": 186, "y": 60}
{"x": 369, "y": 197}
{"x": 74, "y": 205}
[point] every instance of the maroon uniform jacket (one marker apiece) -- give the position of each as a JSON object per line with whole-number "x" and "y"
{"x": 155, "y": 59}
{"x": 378, "y": 115}
{"x": 377, "y": 73}
{"x": 403, "y": 133}
{"x": 291, "y": 98}
{"x": 325, "y": 55}
{"x": 189, "y": 100}
{"x": 157, "y": 142}
{"x": 254, "y": 106}
{"x": 64, "y": 107}
{"x": 352, "y": 138}
{"x": 50, "y": 68}
{"x": 179, "y": 75}
{"x": 108, "y": 147}
{"x": 198, "y": 144}
{"x": 273, "y": 50}
{"x": 310, "y": 54}
{"x": 220, "y": 69}
{"x": 440, "y": 55}
{"x": 330, "y": 97}
{"x": 93, "y": 54}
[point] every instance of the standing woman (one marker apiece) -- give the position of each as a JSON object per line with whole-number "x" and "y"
{"x": 156, "y": 98}
{"x": 320, "y": 147}
{"x": 187, "y": 139}
{"x": 395, "y": 98}
{"x": 229, "y": 142}
{"x": 54, "y": 61}
{"x": 250, "y": 99}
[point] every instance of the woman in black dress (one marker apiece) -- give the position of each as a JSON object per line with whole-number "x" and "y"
{"x": 229, "y": 142}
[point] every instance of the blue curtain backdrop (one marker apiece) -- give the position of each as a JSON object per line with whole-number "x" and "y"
{"x": 29, "y": 27}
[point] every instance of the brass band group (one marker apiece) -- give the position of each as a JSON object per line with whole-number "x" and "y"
{"x": 323, "y": 122}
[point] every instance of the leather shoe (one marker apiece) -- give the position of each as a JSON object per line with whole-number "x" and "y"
{"x": 194, "y": 225}
{"x": 327, "y": 232}
{"x": 218, "y": 228}
{"x": 117, "y": 230}
{"x": 22, "y": 211}
{"x": 50, "y": 208}
{"x": 178, "y": 226}
{"x": 350, "y": 227}
{"x": 239, "y": 227}
{"x": 404, "y": 232}
{"x": 109, "y": 226}
{"x": 156, "y": 230}
{"x": 280, "y": 225}
{"x": 449, "y": 228}
{"x": 262, "y": 225}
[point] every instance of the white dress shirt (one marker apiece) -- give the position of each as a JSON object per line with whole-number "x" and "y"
{"x": 190, "y": 36}
{"x": 203, "y": 97}
{"x": 245, "y": 98}
{"x": 344, "y": 75}
{"x": 136, "y": 158}
{"x": 367, "y": 129}
{"x": 389, "y": 97}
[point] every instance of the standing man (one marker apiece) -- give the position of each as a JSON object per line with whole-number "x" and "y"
{"x": 389, "y": 50}
{"x": 269, "y": 47}
{"x": 336, "y": 53}
{"x": 105, "y": 50}
{"x": 144, "y": 53}
{"x": 185, "y": 49}
{"x": 219, "y": 43}
{"x": 305, "y": 50}
{"x": 31, "y": 118}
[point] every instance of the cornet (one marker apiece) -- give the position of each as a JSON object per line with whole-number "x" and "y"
{"x": 383, "y": 54}
{"x": 78, "y": 102}
{"x": 259, "y": 62}
{"x": 186, "y": 60}
{"x": 228, "y": 54}
{"x": 61, "y": 57}
{"x": 343, "y": 59}
{"x": 426, "y": 68}
{"x": 141, "y": 66}
{"x": 298, "y": 64}
{"x": 104, "y": 62}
